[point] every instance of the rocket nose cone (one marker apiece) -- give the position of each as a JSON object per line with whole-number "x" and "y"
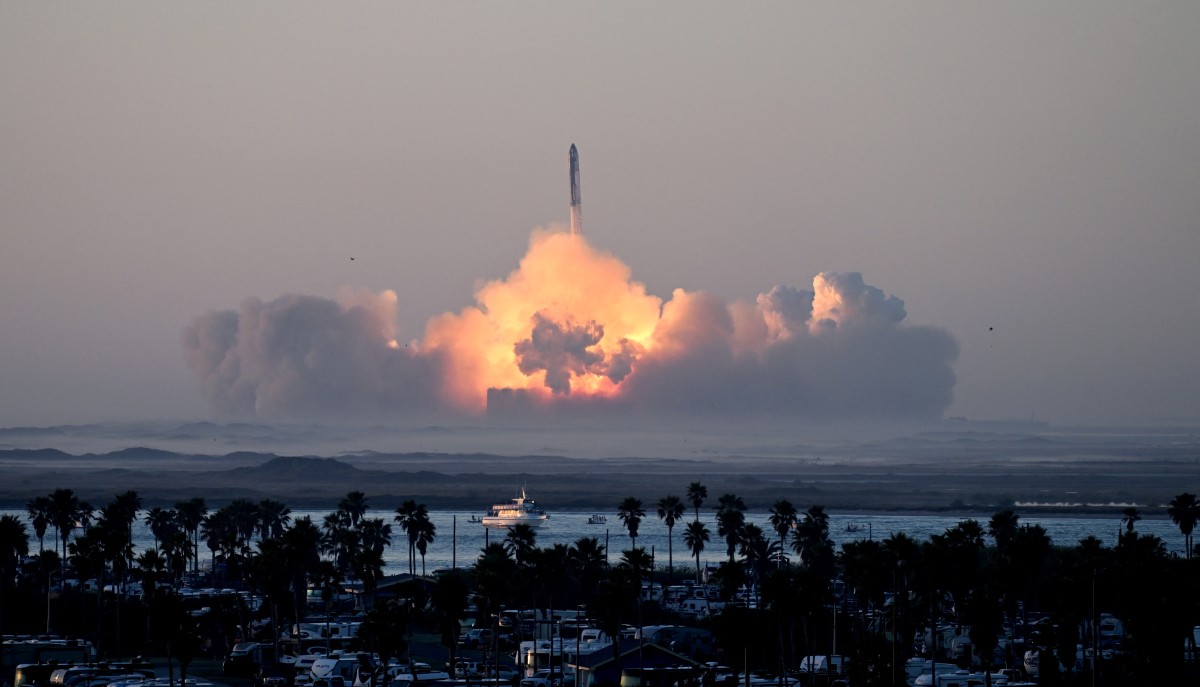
{"x": 573, "y": 150}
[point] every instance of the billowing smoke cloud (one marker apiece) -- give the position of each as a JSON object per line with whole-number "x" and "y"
{"x": 560, "y": 351}
{"x": 569, "y": 328}
{"x": 302, "y": 356}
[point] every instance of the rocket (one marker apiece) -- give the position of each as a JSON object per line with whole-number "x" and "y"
{"x": 576, "y": 199}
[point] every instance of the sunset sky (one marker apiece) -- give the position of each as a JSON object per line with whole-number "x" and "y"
{"x": 1024, "y": 176}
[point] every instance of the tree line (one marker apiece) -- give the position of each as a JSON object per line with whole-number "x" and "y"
{"x": 788, "y": 592}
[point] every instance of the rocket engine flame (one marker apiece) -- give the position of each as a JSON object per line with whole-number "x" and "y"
{"x": 568, "y": 326}
{"x": 569, "y": 320}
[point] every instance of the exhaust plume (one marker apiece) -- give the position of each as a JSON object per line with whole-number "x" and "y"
{"x": 569, "y": 329}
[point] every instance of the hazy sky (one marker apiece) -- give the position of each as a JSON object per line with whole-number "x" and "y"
{"x": 1024, "y": 175}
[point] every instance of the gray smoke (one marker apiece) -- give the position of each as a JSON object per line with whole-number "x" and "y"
{"x": 308, "y": 357}
{"x": 560, "y": 350}
{"x": 837, "y": 351}
{"x": 565, "y": 349}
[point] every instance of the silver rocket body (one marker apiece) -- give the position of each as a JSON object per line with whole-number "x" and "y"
{"x": 576, "y": 197}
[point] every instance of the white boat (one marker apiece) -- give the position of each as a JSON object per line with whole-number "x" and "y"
{"x": 519, "y": 511}
{"x": 598, "y": 519}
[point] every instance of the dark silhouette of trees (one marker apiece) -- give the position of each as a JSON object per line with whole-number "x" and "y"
{"x": 630, "y": 512}
{"x": 67, "y": 512}
{"x": 811, "y": 541}
{"x": 731, "y": 517}
{"x": 520, "y": 542}
{"x": 1184, "y": 511}
{"x": 413, "y": 518}
{"x": 696, "y": 493}
{"x": 695, "y": 536}
{"x": 586, "y": 561}
{"x": 39, "y": 511}
{"x": 494, "y": 573}
{"x": 1002, "y": 527}
{"x": 273, "y": 517}
{"x": 302, "y": 554}
{"x": 385, "y": 632}
{"x": 784, "y": 519}
{"x": 450, "y": 599}
{"x": 670, "y": 510}
{"x": 14, "y": 543}
{"x": 191, "y": 514}
{"x": 1129, "y": 516}
{"x": 980, "y": 579}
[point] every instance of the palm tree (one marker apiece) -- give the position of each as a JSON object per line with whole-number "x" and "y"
{"x": 637, "y": 560}
{"x": 375, "y": 534}
{"x": 39, "y": 511}
{"x": 587, "y": 561}
{"x": 450, "y": 597}
{"x": 302, "y": 550}
{"x": 426, "y": 533}
{"x": 731, "y": 517}
{"x": 127, "y": 506}
{"x": 783, "y": 520}
{"x": 220, "y": 533}
{"x": 367, "y": 565}
{"x": 272, "y": 577}
{"x": 630, "y": 512}
{"x": 191, "y": 514}
{"x": 338, "y": 539}
{"x": 758, "y": 552}
{"x": 124, "y": 512}
{"x": 151, "y": 567}
{"x": 273, "y": 518}
{"x": 176, "y": 550}
{"x": 1128, "y": 517}
{"x": 812, "y": 540}
{"x": 244, "y": 516}
{"x": 1002, "y": 527}
{"x": 494, "y": 573}
{"x": 411, "y": 516}
{"x": 670, "y": 510}
{"x": 354, "y": 505}
{"x": 520, "y": 542}
{"x": 385, "y": 631}
{"x": 67, "y": 511}
{"x": 696, "y": 493}
{"x": 695, "y": 535}
{"x": 14, "y": 543}
{"x": 328, "y": 580}
{"x": 89, "y": 556}
{"x": 48, "y": 563}
{"x": 160, "y": 521}
{"x": 1185, "y": 511}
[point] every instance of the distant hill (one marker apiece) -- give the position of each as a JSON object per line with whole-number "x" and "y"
{"x": 298, "y": 468}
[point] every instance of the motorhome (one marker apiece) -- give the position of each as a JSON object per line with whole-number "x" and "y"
{"x": 335, "y": 665}
{"x": 246, "y": 658}
{"x": 19, "y": 649}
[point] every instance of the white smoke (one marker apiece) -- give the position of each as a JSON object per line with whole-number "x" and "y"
{"x": 840, "y": 350}
{"x": 302, "y": 356}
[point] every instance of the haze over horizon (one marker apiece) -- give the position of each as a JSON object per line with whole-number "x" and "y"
{"x": 1022, "y": 177}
